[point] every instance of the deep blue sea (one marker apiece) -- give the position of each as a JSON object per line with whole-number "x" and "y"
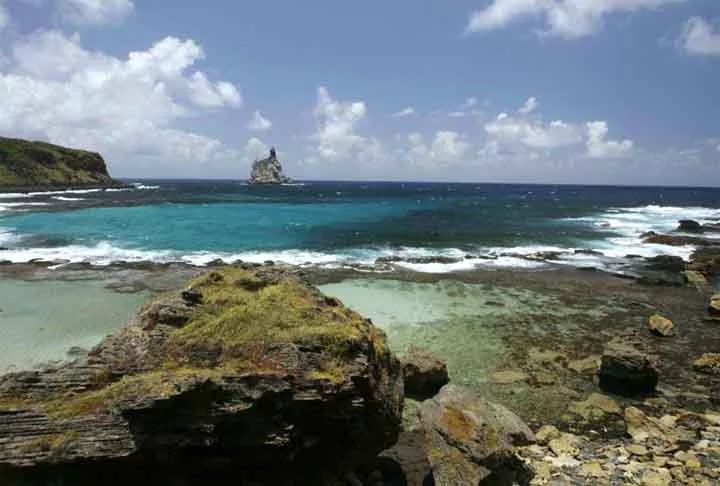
{"x": 340, "y": 223}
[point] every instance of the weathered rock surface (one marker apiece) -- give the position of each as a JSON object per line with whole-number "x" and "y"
{"x": 708, "y": 363}
{"x": 248, "y": 372}
{"x": 26, "y": 164}
{"x": 627, "y": 371}
{"x": 661, "y": 326}
{"x": 424, "y": 372}
{"x": 268, "y": 171}
{"x": 470, "y": 441}
{"x": 714, "y": 306}
{"x": 675, "y": 240}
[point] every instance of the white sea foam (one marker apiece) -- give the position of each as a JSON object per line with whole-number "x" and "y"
{"x": 64, "y": 198}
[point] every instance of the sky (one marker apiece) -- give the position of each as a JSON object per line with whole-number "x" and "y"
{"x": 542, "y": 91}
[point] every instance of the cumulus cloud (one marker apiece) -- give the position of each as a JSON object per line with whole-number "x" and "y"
{"x": 408, "y": 111}
{"x": 94, "y": 12}
{"x": 566, "y": 18}
{"x": 336, "y": 123}
{"x": 599, "y": 147}
{"x": 529, "y": 106}
{"x": 701, "y": 37}
{"x": 470, "y": 103}
{"x": 527, "y": 133}
{"x": 259, "y": 123}
{"x": 533, "y": 133}
{"x": 254, "y": 149}
{"x": 55, "y": 89}
{"x": 446, "y": 147}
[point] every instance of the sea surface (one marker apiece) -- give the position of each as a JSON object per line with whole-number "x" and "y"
{"x": 347, "y": 223}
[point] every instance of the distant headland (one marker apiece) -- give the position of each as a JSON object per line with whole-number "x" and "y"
{"x": 268, "y": 171}
{"x": 28, "y": 164}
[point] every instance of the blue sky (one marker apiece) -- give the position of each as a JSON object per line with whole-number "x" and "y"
{"x": 567, "y": 91}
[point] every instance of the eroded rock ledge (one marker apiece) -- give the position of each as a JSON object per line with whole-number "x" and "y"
{"x": 248, "y": 373}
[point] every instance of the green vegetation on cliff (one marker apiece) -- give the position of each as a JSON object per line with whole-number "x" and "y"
{"x": 32, "y": 164}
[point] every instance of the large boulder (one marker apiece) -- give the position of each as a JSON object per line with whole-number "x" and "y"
{"x": 470, "y": 441}
{"x": 424, "y": 373}
{"x": 246, "y": 375}
{"x": 268, "y": 171}
{"x": 625, "y": 370}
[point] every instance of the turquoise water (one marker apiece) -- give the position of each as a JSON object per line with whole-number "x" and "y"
{"x": 344, "y": 223}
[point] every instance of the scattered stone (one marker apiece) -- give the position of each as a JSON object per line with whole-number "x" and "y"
{"x": 508, "y": 377}
{"x": 566, "y": 444}
{"x": 596, "y": 407}
{"x": 637, "y": 450}
{"x": 695, "y": 278}
{"x": 424, "y": 372}
{"x": 625, "y": 370}
{"x": 591, "y": 364}
{"x": 546, "y": 434}
{"x": 656, "y": 477}
{"x": 469, "y": 440}
{"x": 714, "y": 306}
{"x": 641, "y": 427}
{"x": 661, "y": 326}
{"x": 593, "y": 470}
{"x": 708, "y": 363}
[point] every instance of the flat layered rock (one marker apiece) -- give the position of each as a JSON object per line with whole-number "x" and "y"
{"x": 248, "y": 371}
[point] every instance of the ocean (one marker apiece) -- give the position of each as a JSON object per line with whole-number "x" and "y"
{"x": 348, "y": 223}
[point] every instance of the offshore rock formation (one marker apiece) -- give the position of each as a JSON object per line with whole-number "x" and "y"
{"x": 250, "y": 374}
{"x": 268, "y": 171}
{"x": 25, "y": 164}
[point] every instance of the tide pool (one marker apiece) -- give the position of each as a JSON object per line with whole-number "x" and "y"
{"x": 41, "y": 321}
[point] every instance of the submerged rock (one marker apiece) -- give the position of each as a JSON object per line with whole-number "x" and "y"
{"x": 708, "y": 363}
{"x": 259, "y": 382}
{"x": 470, "y": 441}
{"x": 627, "y": 371}
{"x": 661, "y": 326}
{"x": 268, "y": 171}
{"x": 689, "y": 226}
{"x": 424, "y": 373}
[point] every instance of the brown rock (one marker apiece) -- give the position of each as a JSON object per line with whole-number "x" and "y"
{"x": 708, "y": 363}
{"x": 268, "y": 384}
{"x": 627, "y": 371}
{"x": 661, "y": 326}
{"x": 424, "y": 372}
{"x": 469, "y": 440}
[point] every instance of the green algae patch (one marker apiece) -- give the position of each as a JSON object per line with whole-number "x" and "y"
{"x": 242, "y": 310}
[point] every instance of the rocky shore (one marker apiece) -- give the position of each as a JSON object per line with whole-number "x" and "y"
{"x": 249, "y": 372}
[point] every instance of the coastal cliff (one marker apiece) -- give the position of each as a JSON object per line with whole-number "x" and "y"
{"x": 27, "y": 164}
{"x": 248, "y": 373}
{"x": 268, "y": 171}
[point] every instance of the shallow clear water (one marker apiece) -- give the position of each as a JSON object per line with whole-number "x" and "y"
{"x": 41, "y": 321}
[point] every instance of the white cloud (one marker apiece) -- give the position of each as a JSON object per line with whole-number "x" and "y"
{"x": 4, "y": 17}
{"x": 55, "y": 89}
{"x": 529, "y": 135}
{"x": 259, "y": 123}
{"x": 255, "y": 149}
{"x": 336, "y": 122}
{"x": 529, "y": 106}
{"x": 457, "y": 114}
{"x": 447, "y": 147}
{"x": 701, "y": 37}
{"x": 94, "y": 12}
{"x": 565, "y": 18}
{"x": 470, "y": 103}
{"x": 409, "y": 111}
{"x": 599, "y": 147}
{"x": 512, "y": 131}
